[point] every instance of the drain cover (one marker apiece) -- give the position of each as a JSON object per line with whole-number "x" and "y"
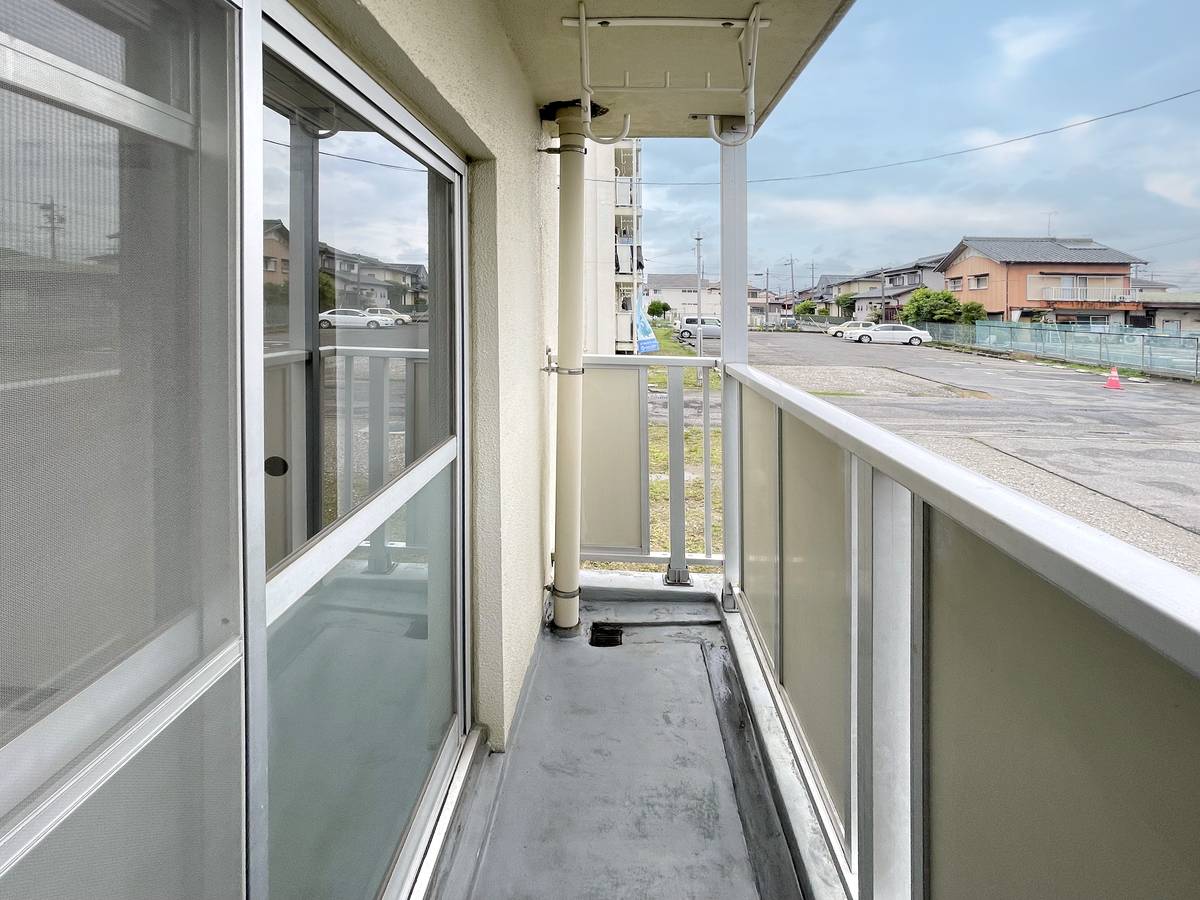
{"x": 606, "y": 634}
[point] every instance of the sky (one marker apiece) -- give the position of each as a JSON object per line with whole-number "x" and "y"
{"x": 897, "y": 81}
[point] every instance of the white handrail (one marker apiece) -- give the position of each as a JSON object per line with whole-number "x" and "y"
{"x": 1149, "y": 597}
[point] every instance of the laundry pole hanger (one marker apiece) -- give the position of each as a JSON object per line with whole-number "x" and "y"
{"x": 747, "y": 47}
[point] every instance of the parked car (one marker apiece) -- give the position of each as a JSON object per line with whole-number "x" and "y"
{"x": 397, "y": 318}
{"x": 353, "y": 318}
{"x": 686, "y": 326}
{"x": 889, "y": 334}
{"x": 842, "y": 328}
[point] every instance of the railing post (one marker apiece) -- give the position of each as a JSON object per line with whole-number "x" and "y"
{"x": 897, "y": 690}
{"x": 377, "y": 453}
{"x": 707, "y": 466}
{"x": 677, "y": 569}
{"x": 346, "y": 475}
{"x": 734, "y": 349}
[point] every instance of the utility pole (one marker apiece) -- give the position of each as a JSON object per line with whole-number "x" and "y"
{"x": 812, "y": 274}
{"x": 699, "y": 239}
{"x": 54, "y": 221}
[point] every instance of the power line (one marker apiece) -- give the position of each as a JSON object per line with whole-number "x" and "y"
{"x": 370, "y": 162}
{"x": 935, "y": 156}
{"x": 1194, "y": 237}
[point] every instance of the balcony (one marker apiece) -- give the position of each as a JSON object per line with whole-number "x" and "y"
{"x": 1089, "y": 294}
{"x": 921, "y": 681}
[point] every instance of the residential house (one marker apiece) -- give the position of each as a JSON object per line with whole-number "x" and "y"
{"x": 768, "y": 307}
{"x": 823, "y": 294}
{"x": 679, "y": 292}
{"x": 275, "y": 252}
{"x": 302, "y": 613}
{"x": 1057, "y": 279}
{"x": 361, "y": 280}
{"x": 898, "y": 284}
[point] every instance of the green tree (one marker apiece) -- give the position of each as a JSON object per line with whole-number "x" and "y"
{"x": 658, "y": 308}
{"x": 326, "y": 292}
{"x": 971, "y": 311}
{"x": 845, "y": 302}
{"x": 930, "y": 306}
{"x": 876, "y": 316}
{"x": 805, "y": 308}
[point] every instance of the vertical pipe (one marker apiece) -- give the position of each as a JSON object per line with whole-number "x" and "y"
{"x": 677, "y": 570}
{"x": 568, "y": 475}
{"x": 733, "y": 350}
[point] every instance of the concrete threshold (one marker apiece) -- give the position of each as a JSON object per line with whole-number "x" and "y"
{"x": 632, "y": 770}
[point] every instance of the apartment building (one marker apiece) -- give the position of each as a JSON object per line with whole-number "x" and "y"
{"x": 293, "y": 612}
{"x": 614, "y": 272}
{"x": 1058, "y": 279}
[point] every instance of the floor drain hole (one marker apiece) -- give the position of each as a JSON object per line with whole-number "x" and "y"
{"x": 605, "y": 634}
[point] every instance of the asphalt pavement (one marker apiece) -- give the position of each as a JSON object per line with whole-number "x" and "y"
{"x": 1126, "y": 462}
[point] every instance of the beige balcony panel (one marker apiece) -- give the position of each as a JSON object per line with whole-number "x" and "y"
{"x": 816, "y": 601}
{"x": 613, "y": 457}
{"x": 760, "y": 525}
{"x": 1062, "y": 750}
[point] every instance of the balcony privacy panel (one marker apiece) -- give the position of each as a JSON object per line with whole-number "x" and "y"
{"x": 168, "y": 826}
{"x": 816, "y": 601}
{"x": 361, "y": 674}
{"x": 118, "y": 509}
{"x": 760, "y": 526}
{"x": 1062, "y": 751}
{"x": 614, "y": 453}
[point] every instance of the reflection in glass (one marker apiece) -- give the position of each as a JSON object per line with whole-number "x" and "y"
{"x": 116, "y": 422}
{"x": 358, "y": 309}
{"x": 361, "y": 695}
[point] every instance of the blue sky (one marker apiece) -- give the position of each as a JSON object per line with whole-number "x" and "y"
{"x": 903, "y": 80}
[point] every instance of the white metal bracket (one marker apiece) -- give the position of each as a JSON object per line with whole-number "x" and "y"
{"x": 747, "y": 44}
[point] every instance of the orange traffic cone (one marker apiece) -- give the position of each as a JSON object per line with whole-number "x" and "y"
{"x": 1114, "y": 380}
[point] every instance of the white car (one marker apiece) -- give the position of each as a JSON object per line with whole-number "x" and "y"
{"x": 352, "y": 318}
{"x": 843, "y": 328}
{"x": 686, "y": 327}
{"x": 398, "y": 318}
{"x": 889, "y": 334}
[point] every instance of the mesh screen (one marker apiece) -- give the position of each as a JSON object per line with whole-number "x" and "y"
{"x": 167, "y": 826}
{"x": 116, "y": 437}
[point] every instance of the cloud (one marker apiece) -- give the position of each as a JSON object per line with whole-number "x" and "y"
{"x": 1023, "y": 40}
{"x": 1178, "y": 187}
{"x": 948, "y": 215}
{"x": 997, "y": 156}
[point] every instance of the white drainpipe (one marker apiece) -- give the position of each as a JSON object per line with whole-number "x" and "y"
{"x": 569, "y": 464}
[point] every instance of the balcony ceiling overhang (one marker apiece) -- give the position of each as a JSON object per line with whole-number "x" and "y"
{"x": 549, "y": 54}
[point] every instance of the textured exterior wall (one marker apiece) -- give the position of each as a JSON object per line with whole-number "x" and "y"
{"x": 450, "y": 63}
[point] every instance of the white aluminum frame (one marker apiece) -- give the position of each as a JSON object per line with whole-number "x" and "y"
{"x": 285, "y": 31}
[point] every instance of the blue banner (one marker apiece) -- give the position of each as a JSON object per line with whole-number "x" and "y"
{"x": 646, "y": 341}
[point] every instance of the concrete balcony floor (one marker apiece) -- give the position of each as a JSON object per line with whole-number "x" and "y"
{"x": 632, "y": 770}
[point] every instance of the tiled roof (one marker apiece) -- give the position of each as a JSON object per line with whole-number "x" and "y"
{"x": 673, "y": 282}
{"x": 1041, "y": 250}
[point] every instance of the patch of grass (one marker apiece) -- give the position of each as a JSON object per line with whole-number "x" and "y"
{"x": 668, "y": 346}
{"x": 693, "y": 510}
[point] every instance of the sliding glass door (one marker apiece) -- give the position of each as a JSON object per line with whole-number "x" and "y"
{"x": 362, "y": 473}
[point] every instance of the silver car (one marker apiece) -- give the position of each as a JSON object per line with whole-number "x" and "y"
{"x": 352, "y": 318}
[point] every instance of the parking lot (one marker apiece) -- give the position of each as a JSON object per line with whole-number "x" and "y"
{"x": 1126, "y": 462}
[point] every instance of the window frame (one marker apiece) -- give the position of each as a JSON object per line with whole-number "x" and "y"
{"x": 277, "y": 26}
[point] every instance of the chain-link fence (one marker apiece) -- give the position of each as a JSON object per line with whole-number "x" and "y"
{"x": 1146, "y": 351}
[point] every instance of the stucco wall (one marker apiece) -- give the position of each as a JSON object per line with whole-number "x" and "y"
{"x": 451, "y": 65}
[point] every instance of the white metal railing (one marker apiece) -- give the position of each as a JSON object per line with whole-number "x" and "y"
{"x": 958, "y": 664}
{"x": 1102, "y": 295}
{"x": 619, "y": 408}
{"x": 378, "y": 384}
